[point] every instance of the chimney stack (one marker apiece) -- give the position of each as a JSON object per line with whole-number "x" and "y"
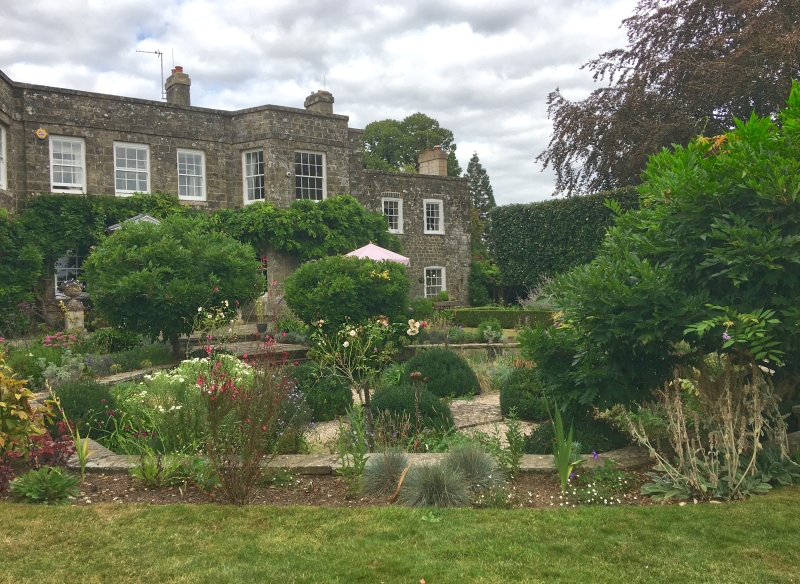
{"x": 177, "y": 87}
{"x": 320, "y": 102}
{"x": 433, "y": 162}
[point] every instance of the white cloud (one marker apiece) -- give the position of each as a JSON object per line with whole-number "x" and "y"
{"x": 483, "y": 69}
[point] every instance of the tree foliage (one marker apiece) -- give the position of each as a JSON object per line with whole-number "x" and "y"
{"x": 709, "y": 263}
{"x": 690, "y": 67}
{"x": 395, "y": 146}
{"x": 20, "y": 264}
{"x": 151, "y": 279}
{"x": 480, "y": 189}
{"x": 336, "y": 289}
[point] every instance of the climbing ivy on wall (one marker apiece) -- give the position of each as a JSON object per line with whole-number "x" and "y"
{"x": 55, "y": 223}
{"x": 537, "y": 240}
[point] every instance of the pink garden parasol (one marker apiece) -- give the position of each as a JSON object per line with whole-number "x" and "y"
{"x": 378, "y": 253}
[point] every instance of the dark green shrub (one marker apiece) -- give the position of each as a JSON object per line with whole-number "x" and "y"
{"x": 421, "y": 308}
{"x": 382, "y": 473}
{"x": 523, "y": 391}
{"x": 434, "y": 485}
{"x": 507, "y": 317}
{"x": 111, "y": 340}
{"x": 448, "y": 374}
{"x": 327, "y": 394}
{"x": 592, "y": 434}
{"x": 82, "y": 400}
{"x": 399, "y": 400}
{"x": 339, "y": 288}
{"x": 460, "y": 336}
{"x": 490, "y": 331}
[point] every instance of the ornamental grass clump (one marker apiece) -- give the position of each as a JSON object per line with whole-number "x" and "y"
{"x": 383, "y": 471}
{"x": 249, "y": 423}
{"x": 478, "y": 468}
{"x": 435, "y": 485}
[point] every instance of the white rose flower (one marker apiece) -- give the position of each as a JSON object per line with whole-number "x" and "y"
{"x": 352, "y": 333}
{"x": 346, "y": 344}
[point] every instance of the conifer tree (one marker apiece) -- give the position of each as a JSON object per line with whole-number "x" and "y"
{"x": 480, "y": 190}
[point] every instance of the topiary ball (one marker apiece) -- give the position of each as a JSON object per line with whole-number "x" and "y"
{"x": 399, "y": 400}
{"x": 449, "y": 374}
{"x": 327, "y": 394}
{"x": 523, "y": 391}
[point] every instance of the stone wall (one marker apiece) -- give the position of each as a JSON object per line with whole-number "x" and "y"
{"x": 223, "y": 136}
{"x": 451, "y": 250}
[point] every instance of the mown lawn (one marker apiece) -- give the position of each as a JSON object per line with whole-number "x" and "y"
{"x": 756, "y": 541}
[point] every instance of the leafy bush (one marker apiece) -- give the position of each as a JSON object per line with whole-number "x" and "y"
{"x": 337, "y": 289}
{"x": 399, "y": 401}
{"x": 157, "y": 471}
{"x": 421, "y": 308}
{"x": 327, "y": 394}
{"x": 48, "y": 486}
{"x": 383, "y": 471}
{"x": 547, "y": 238}
{"x": 82, "y": 401}
{"x": 507, "y": 317}
{"x": 448, "y": 373}
{"x": 709, "y": 260}
{"x": 155, "y": 354}
{"x": 434, "y": 485}
{"x": 151, "y": 279}
{"x": 490, "y": 331}
{"x": 458, "y": 336}
{"x": 523, "y": 390}
{"x": 591, "y": 433}
{"x": 478, "y": 468}
{"x": 18, "y": 419}
{"x": 111, "y": 340}
{"x": 24, "y": 361}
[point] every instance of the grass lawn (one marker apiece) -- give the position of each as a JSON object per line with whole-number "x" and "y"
{"x": 756, "y": 541}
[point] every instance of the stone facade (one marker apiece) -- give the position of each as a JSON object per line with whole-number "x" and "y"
{"x": 222, "y": 137}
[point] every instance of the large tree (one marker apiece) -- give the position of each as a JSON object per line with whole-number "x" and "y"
{"x": 480, "y": 189}
{"x": 395, "y": 146}
{"x": 690, "y": 67}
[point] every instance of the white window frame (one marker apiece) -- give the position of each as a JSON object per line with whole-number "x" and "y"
{"x": 300, "y": 176}
{"x": 425, "y": 203}
{"x": 202, "y": 154}
{"x": 63, "y": 271}
{"x": 146, "y": 148}
{"x": 62, "y": 187}
{"x": 399, "y": 202}
{"x": 425, "y": 280}
{"x": 245, "y": 188}
{"x": 3, "y": 150}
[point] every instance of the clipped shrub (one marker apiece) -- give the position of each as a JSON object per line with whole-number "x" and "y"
{"x": 48, "y": 486}
{"x": 327, "y": 394}
{"x": 478, "y": 468}
{"x": 110, "y": 340}
{"x": 592, "y": 433}
{"x": 507, "y": 317}
{"x": 448, "y": 373}
{"x": 490, "y": 331}
{"x": 434, "y": 485}
{"x": 338, "y": 288}
{"x": 543, "y": 239}
{"x": 523, "y": 391}
{"x": 382, "y": 473}
{"x": 399, "y": 401}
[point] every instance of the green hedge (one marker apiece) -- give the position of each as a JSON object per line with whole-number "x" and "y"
{"x": 508, "y": 318}
{"x": 542, "y": 239}
{"x": 449, "y": 374}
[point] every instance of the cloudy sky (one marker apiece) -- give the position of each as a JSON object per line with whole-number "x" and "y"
{"x": 483, "y": 68}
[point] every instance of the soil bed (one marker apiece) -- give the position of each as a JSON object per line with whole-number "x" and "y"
{"x": 528, "y": 490}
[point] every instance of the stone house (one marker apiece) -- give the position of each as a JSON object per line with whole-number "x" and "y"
{"x": 66, "y": 141}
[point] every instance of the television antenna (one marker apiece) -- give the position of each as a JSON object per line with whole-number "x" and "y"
{"x": 160, "y": 56}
